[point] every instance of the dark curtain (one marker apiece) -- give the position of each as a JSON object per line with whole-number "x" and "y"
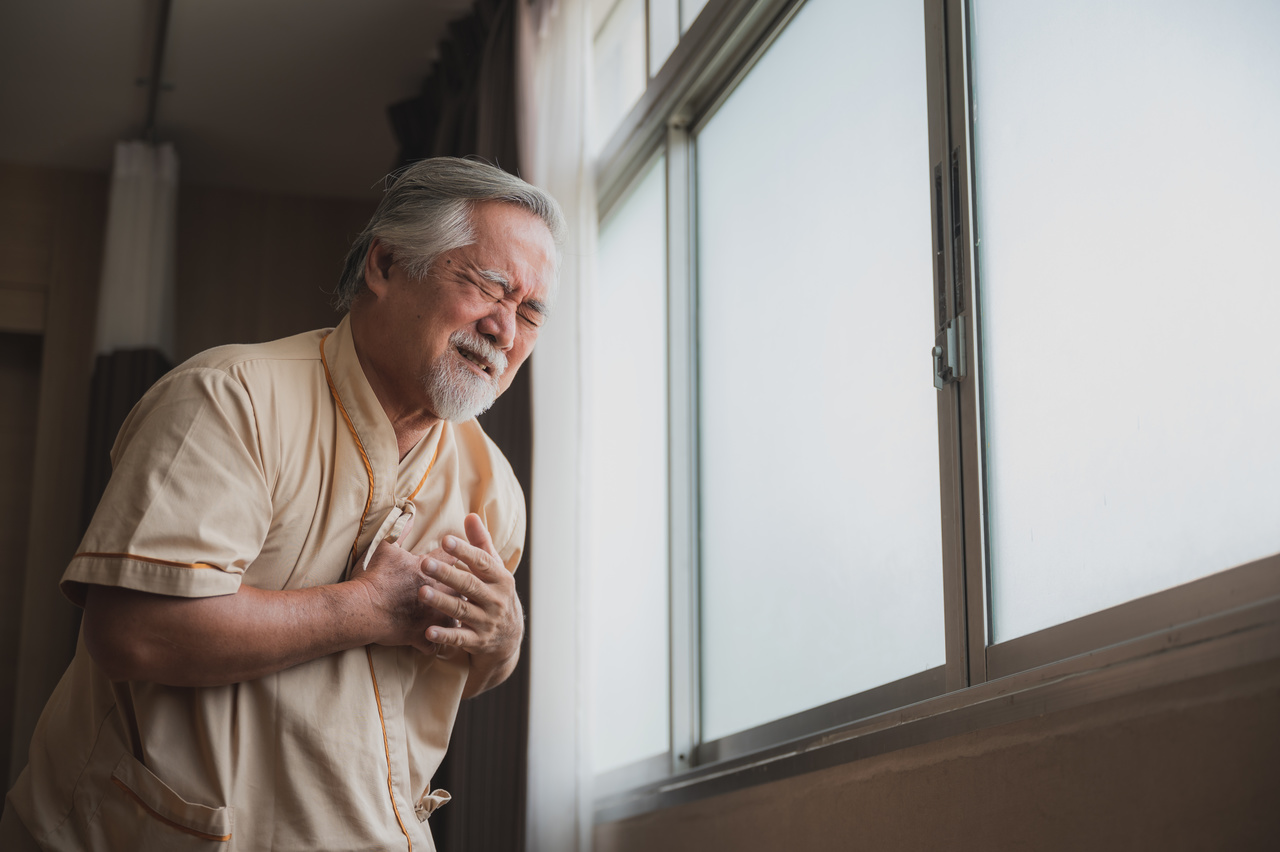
{"x": 467, "y": 107}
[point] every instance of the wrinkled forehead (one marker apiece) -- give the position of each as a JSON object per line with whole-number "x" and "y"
{"x": 539, "y": 251}
{"x": 549, "y": 283}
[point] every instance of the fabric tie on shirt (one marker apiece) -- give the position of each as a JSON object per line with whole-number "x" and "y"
{"x": 392, "y": 528}
{"x": 430, "y": 802}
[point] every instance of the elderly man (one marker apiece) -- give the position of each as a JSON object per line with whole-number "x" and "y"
{"x": 303, "y": 560}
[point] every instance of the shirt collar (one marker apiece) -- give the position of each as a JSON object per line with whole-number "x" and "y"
{"x": 369, "y": 422}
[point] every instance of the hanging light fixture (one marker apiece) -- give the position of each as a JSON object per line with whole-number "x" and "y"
{"x": 136, "y": 301}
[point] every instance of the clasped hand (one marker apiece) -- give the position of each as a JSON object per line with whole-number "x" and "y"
{"x": 458, "y": 598}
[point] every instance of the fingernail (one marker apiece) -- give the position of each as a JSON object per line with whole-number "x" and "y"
{"x": 450, "y": 542}
{"x": 432, "y": 566}
{"x": 431, "y": 594}
{"x": 433, "y": 634}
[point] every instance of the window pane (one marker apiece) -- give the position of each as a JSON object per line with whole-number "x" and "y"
{"x": 821, "y": 543}
{"x": 1127, "y": 185}
{"x": 689, "y": 11}
{"x": 664, "y": 32}
{"x": 600, "y": 10}
{"x": 620, "y": 77}
{"x": 627, "y": 496}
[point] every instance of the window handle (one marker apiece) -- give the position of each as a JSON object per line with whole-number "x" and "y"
{"x": 948, "y": 354}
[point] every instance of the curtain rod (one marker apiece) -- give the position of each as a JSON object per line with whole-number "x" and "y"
{"x": 157, "y": 64}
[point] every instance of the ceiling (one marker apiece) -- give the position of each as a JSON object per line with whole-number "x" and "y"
{"x": 277, "y": 95}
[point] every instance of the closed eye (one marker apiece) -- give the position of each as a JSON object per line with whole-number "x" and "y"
{"x": 531, "y": 311}
{"x": 532, "y": 316}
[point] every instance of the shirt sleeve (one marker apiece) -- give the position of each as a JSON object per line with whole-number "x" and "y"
{"x": 188, "y": 506}
{"x": 505, "y": 514}
{"x": 512, "y": 549}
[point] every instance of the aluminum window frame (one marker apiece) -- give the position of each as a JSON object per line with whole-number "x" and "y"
{"x": 1160, "y": 613}
{"x": 1223, "y": 621}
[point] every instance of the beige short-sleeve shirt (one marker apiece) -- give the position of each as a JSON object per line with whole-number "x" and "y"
{"x": 272, "y": 465}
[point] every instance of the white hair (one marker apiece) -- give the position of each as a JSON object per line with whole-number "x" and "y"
{"x": 426, "y": 211}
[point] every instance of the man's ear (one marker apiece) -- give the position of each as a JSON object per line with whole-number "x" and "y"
{"x": 377, "y": 267}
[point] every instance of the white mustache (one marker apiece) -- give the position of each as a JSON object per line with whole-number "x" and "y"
{"x": 477, "y": 345}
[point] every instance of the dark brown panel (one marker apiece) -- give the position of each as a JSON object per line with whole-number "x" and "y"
{"x": 20, "y": 390}
{"x": 253, "y": 266}
{"x": 73, "y": 207}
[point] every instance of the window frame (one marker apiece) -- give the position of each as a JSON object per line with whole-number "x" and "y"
{"x": 1225, "y": 620}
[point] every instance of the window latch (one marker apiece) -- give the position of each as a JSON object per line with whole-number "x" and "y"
{"x": 948, "y": 354}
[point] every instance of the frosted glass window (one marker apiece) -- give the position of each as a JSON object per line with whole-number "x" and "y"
{"x": 821, "y": 550}
{"x": 1127, "y": 187}
{"x": 627, "y": 487}
{"x": 620, "y": 76}
{"x": 664, "y": 32}
{"x": 600, "y": 10}
{"x": 689, "y": 11}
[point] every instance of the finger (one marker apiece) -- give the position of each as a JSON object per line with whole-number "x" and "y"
{"x": 441, "y": 555}
{"x": 435, "y": 584}
{"x": 451, "y": 604}
{"x": 464, "y": 582}
{"x": 478, "y": 533}
{"x": 454, "y": 637}
{"x": 484, "y": 563}
{"x": 442, "y": 652}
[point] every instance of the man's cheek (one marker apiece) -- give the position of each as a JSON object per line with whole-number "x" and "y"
{"x": 508, "y": 376}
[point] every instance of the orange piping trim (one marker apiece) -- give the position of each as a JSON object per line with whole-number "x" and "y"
{"x": 368, "y": 468}
{"x": 432, "y": 464}
{"x": 134, "y": 556}
{"x": 164, "y": 819}
{"x": 377, "y": 694}
{"x": 387, "y": 747}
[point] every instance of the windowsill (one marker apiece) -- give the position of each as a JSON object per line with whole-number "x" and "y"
{"x": 1240, "y": 637}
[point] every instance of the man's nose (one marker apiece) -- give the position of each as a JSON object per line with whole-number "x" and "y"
{"x": 499, "y": 325}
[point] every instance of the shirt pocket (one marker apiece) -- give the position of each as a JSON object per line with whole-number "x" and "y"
{"x": 144, "y": 813}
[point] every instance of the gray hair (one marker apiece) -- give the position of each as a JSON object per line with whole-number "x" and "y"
{"x": 426, "y": 211}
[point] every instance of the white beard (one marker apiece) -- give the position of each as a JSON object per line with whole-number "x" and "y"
{"x": 457, "y": 394}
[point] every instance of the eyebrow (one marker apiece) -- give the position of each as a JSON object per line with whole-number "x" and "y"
{"x": 497, "y": 278}
{"x": 538, "y": 307}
